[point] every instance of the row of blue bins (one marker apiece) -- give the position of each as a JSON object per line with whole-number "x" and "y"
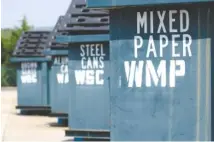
{"x": 89, "y": 70}
{"x": 70, "y": 76}
{"x": 123, "y": 70}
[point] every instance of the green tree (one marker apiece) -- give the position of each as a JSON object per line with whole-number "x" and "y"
{"x": 8, "y": 44}
{"x": 24, "y": 25}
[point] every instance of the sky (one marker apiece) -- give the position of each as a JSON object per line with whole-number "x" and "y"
{"x": 39, "y": 13}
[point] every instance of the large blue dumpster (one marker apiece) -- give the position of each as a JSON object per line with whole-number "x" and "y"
{"x": 160, "y": 69}
{"x": 58, "y": 72}
{"x": 59, "y": 85}
{"x": 86, "y": 31}
{"x": 32, "y": 71}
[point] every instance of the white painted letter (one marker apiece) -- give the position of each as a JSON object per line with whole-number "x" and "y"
{"x": 173, "y": 72}
{"x": 171, "y": 21}
{"x": 141, "y": 21}
{"x": 161, "y": 24}
{"x": 174, "y": 45}
{"x": 151, "y": 47}
{"x": 151, "y": 22}
{"x": 64, "y": 68}
{"x": 187, "y": 41}
{"x": 151, "y": 73}
{"x": 101, "y": 61}
{"x": 162, "y": 44}
{"x": 82, "y": 63}
{"x": 80, "y": 76}
{"x": 134, "y": 72}
{"x": 182, "y": 13}
{"x": 95, "y": 62}
{"x": 82, "y": 50}
{"x": 89, "y": 77}
{"x": 101, "y": 49}
{"x": 99, "y": 73}
{"x": 34, "y": 78}
{"x": 60, "y": 78}
{"x": 136, "y": 45}
{"x": 66, "y": 79}
{"x": 89, "y": 63}
{"x": 92, "y": 50}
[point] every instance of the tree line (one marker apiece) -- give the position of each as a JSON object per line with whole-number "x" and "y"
{"x": 9, "y": 38}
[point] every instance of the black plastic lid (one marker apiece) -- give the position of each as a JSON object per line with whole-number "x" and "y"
{"x": 81, "y": 20}
{"x": 52, "y": 44}
{"x": 31, "y": 43}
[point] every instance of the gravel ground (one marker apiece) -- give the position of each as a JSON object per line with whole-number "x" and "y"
{"x": 26, "y": 128}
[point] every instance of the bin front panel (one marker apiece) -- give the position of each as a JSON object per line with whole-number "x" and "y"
{"x": 30, "y": 89}
{"x": 59, "y": 84}
{"x": 89, "y": 102}
{"x": 160, "y": 73}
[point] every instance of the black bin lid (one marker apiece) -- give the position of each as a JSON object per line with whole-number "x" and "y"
{"x": 52, "y": 44}
{"x": 32, "y": 43}
{"x": 80, "y": 20}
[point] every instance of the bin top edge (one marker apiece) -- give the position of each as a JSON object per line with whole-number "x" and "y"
{"x": 110, "y": 4}
{"x": 29, "y": 59}
{"x": 84, "y": 38}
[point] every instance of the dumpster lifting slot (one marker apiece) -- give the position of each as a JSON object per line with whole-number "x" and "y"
{"x": 90, "y": 139}
{"x": 61, "y": 115}
{"x": 45, "y": 108}
{"x": 88, "y": 133}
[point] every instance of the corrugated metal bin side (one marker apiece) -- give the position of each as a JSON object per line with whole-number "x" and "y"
{"x": 161, "y": 72}
{"x": 32, "y": 71}
{"x": 58, "y": 71}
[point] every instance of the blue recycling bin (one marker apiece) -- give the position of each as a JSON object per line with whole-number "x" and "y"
{"x": 86, "y": 31}
{"x": 59, "y": 86}
{"x": 89, "y": 102}
{"x": 161, "y": 64}
{"x": 32, "y": 72}
{"x": 59, "y": 76}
